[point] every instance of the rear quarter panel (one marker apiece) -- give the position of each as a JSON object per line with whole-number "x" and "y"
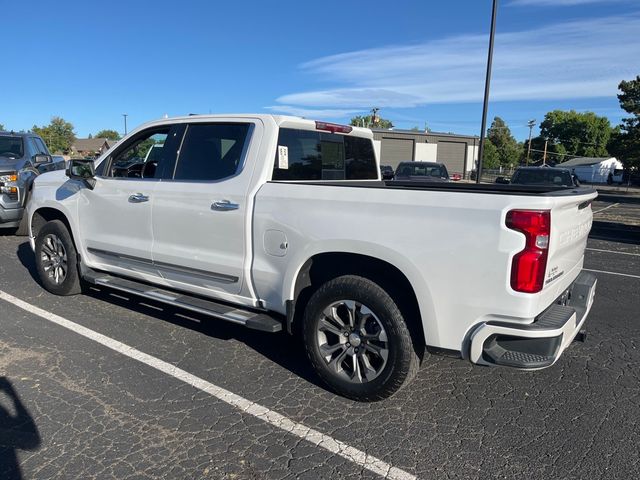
{"x": 453, "y": 247}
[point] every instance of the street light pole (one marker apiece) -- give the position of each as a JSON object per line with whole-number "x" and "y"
{"x": 530, "y": 124}
{"x": 125, "y": 115}
{"x": 486, "y": 90}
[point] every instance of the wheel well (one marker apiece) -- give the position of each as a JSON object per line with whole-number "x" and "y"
{"x": 44, "y": 215}
{"x": 326, "y": 266}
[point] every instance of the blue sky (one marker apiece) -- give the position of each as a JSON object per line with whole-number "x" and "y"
{"x": 419, "y": 61}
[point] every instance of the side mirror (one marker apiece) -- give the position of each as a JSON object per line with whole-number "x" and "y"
{"x": 83, "y": 170}
{"x": 41, "y": 159}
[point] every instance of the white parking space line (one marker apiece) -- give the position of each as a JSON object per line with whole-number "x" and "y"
{"x": 612, "y": 251}
{"x": 265, "y": 414}
{"x": 606, "y": 208}
{"x": 612, "y": 273}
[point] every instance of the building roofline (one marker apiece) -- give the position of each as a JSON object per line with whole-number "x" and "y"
{"x": 422, "y": 132}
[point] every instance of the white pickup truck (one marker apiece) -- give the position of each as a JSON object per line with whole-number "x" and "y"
{"x": 281, "y": 223}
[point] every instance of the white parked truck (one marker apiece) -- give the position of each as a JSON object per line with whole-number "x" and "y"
{"x": 281, "y": 223}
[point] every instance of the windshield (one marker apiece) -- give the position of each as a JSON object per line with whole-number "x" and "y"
{"x": 155, "y": 153}
{"x": 543, "y": 176}
{"x": 420, "y": 170}
{"x": 11, "y": 147}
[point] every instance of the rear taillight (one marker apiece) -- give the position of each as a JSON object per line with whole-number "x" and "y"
{"x": 528, "y": 266}
{"x": 333, "y": 127}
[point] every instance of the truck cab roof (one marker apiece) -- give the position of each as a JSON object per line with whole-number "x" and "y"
{"x": 284, "y": 121}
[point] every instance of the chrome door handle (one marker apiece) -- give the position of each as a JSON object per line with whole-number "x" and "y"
{"x": 224, "y": 205}
{"x": 138, "y": 198}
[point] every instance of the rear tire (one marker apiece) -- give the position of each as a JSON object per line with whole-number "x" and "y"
{"x": 357, "y": 339}
{"x": 57, "y": 259}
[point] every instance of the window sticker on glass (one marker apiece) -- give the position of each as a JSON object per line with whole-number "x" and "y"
{"x": 283, "y": 157}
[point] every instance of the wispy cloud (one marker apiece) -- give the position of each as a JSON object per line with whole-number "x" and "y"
{"x": 578, "y": 59}
{"x": 313, "y": 112}
{"x": 559, "y": 3}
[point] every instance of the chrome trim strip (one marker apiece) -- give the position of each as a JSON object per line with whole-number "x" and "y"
{"x": 218, "y": 277}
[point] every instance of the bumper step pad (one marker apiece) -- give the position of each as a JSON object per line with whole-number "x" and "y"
{"x": 511, "y": 358}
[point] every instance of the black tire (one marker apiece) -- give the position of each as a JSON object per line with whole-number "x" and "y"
{"x": 70, "y": 284}
{"x": 402, "y": 360}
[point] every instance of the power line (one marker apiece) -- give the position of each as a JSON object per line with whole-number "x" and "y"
{"x": 562, "y": 154}
{"x": 556, "y": 141}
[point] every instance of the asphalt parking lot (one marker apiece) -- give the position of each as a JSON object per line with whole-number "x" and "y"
{"x": 76, "y": 404}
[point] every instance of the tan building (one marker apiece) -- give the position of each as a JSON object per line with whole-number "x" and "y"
{"x": 458, "y": 152}
{"x": 91, "y": 147}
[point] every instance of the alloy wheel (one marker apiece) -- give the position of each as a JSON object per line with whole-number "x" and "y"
{"x": 352, "y": 341}
{"x": 53, "y": 257}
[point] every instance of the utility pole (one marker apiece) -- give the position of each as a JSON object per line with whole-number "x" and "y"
{"x": 374, "y": 116}
{"x": 125, "y": 115}
{"x": 486, "y": 89}
{"x": 544, "y": 156}
{"x": 530, "y": 124}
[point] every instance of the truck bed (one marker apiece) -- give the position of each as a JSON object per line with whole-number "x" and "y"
{"x": 455, "y": 250}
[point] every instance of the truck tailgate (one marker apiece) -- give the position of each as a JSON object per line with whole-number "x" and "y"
{"x": 571, "y": 219}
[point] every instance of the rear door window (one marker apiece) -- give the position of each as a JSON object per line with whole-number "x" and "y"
{"x": 312, "y": 155}
{"x": 211, "y": 152}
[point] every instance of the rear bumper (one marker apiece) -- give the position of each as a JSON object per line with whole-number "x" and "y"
{"x": 540, "y": 343}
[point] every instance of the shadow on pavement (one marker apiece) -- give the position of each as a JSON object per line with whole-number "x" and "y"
{"x": 615, "y": 232}
{"x": 17, "y": 431}
{"x": 25, "y": 255}
{"x": 618, "y": 198}
{"x": 281, "y": 348}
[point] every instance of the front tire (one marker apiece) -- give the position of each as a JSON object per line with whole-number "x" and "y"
{"x": 357, "y": 339}
{"x": 57, "y": 259}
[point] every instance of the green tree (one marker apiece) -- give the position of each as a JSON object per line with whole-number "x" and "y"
{"x": 369, "y": 122}
{"x": 1, "y": 127}
{"x": 556, "y": 152}
{"x": 625, "y": 140}
{"x": 506, "y": 145}
{"x": 490, "y": 156}
{"x": 58, "y": 135}
{"x": 108, "y": 134}
{"x": 582, "y": 134}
